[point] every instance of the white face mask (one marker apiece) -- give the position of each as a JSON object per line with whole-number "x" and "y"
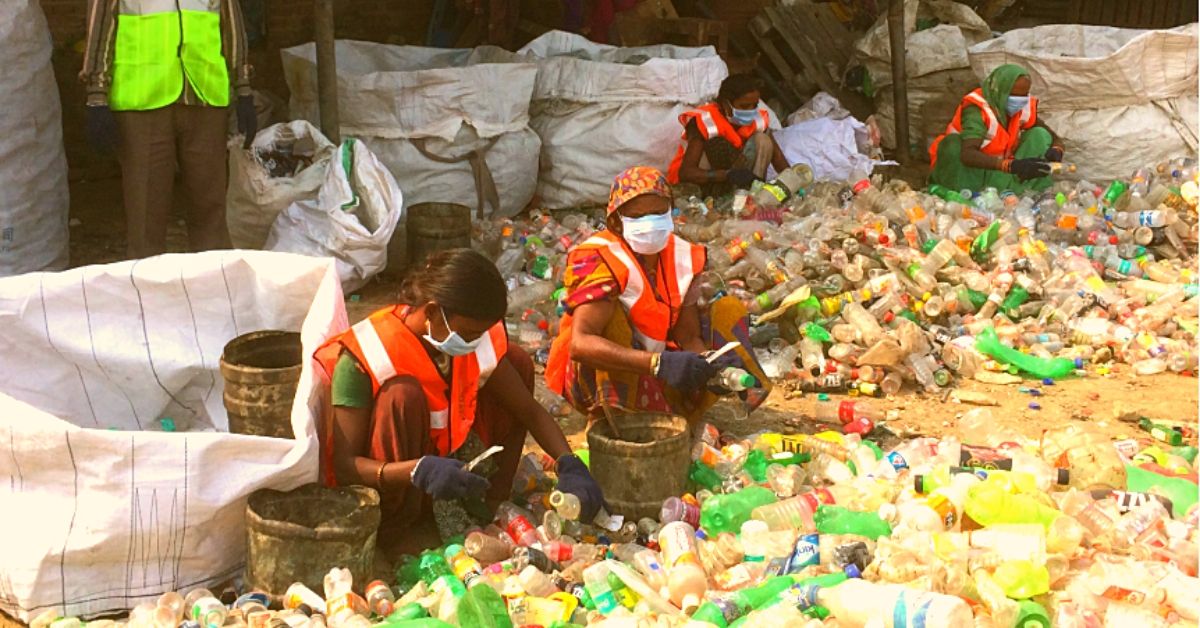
{"x": 649, "y": 234}
{"x": 453, "y": 345}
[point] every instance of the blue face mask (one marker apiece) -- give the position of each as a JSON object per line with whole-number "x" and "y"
{"x": 1015, "y": 104}
{"x": 453, "y": 344}
{"x": 742, "y": 117}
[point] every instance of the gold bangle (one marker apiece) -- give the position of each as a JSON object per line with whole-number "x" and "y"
{"x": 379, "y": 477}
{"x": 655, "y": 362}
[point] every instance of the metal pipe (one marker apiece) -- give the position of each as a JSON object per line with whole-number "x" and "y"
{"x": 327, "y": 88}
{"x": 899, "y": 78}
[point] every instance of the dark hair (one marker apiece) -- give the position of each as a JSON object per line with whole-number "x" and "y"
{"x": 462, "y": 281}
{"x": 736, "y": 86}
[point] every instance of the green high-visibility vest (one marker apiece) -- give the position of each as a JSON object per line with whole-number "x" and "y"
{"x": 159, "y": 44}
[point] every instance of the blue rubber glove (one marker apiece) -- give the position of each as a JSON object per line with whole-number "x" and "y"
{"x": 683, "y": 370}
{"x": 740, "y": 177}
{"x": 445, "y": 478}
{"x": 574, "y": 478}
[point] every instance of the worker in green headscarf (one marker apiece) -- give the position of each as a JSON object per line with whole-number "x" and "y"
{"x": 996, "y": 139}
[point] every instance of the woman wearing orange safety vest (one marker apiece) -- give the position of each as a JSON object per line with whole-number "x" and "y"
{"x": 726, "y": 143}
{"x": 635, "y": 333}
{"x": 996, "y": 139}
{"x": 418, "y": 389}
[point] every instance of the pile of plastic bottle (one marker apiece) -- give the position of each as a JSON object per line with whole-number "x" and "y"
{"x": 867, "y": 286}
{"x": 1071, "y": 530}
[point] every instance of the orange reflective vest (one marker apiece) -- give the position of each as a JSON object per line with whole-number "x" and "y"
{"x": 387, "y": 348}
{"x": 712, "y": 123}
{"x": 650, "y": 316}
{"x": 999, "y": 141}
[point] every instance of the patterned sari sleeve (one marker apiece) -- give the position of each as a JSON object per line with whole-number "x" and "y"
{"x": 587, "y": 278}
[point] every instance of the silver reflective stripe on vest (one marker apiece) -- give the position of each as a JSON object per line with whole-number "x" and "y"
{"x": 683, "y": 265}
{"x": 710, "y": 125}
{"x": 151, "y": 7}
{"x": 373, "y": 351}
{"x": 485, "y": 356}
{"x": 438, "y": 419}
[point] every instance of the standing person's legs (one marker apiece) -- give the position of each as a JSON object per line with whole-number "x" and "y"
{"x": 147, "y": 156}
{"x": 202, "y": 160}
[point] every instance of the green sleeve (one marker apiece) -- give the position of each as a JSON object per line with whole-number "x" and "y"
{"x": 973, "y": 127}
{"x": 350, "y": 384}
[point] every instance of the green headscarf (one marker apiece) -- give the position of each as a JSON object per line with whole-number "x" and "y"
{"x": 998, "y": 86}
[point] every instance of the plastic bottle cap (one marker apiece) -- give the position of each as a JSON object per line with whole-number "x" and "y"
{"x": 690, "y": 603}
{"x": 852, "y": 571}
{"x": 918, "y": 483}
{"x": 1064, "y": 476}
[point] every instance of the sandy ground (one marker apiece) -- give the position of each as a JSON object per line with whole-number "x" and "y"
{"x": 97, "y": 236}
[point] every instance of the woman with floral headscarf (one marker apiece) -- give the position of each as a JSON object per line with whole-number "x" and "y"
{"x": 996, "y": 139}
{"x": 634, "y": 335}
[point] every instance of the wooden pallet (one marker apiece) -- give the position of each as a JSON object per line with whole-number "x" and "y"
{"x": 808, "y": 47}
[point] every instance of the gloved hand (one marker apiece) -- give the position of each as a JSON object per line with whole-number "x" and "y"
{"x": 101, "y": 129}
{"x": 1027, "y": 169}
{"x": 1054, "y": 153}
{"x": 683, "y": 370}
{"x": 740, "y": 177}
{"x": 574, "y": 478}
{"x": 247, "y": 119}
{"x": 445, "y": 478}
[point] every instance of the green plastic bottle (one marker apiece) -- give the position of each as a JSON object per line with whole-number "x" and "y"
{"x": 408, "y": 611}
{"x": 947, "y": 194}
{"x": 989, "y": 344}
{"x": 1161, "y": 433}
{"x": 436, "y": 573}
{"x": 722, "y": 611}
{"x": 703, "y": 476}
{"x": 839, "y": 520}
{"x": 984, "y": 241}
{"x": 727, "y": 513}
{"x": 988, "y": 504}
{"x": 1187, "y": 452}
{"x": 1017, "y": 297}
{"x": 756, "y": 465}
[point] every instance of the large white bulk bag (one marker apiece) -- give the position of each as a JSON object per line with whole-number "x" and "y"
{"x": 1120, "y": 98}
{"x": 33, "y": 166}
{"x": 601, "y": 109}
{"x": 104, "y": 509}
{"x": 452, "y": 126}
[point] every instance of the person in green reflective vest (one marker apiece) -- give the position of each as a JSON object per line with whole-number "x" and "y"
{"x": 159, "y": 89}
{"x": 996, "y": 139}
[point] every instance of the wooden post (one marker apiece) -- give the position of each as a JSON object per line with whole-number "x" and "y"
{"x": 899, "y": 78}
{"x": 327, "y": 89}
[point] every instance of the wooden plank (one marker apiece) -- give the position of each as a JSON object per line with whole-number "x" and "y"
{"x": 760, "y": 27}
{"x": 803, "y": 48}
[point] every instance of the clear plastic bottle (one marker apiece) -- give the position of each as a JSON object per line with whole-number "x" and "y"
{"x": 686, "y": 579}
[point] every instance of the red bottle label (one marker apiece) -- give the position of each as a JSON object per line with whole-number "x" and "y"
{"x": 518, "y": 527}
{"x": 846, "y": 411}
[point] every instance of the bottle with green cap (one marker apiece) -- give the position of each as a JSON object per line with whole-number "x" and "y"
{"x": 733, "y": 379}
{"x": 1032, "y": 615}
{"x": 704, "y": 476}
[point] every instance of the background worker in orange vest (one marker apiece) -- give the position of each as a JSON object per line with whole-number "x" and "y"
{"x": 727, "y": 143}
{"x": 634, "y": 334}
{"x": 419, "y": 389}
{"x": 996, "y": 139}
